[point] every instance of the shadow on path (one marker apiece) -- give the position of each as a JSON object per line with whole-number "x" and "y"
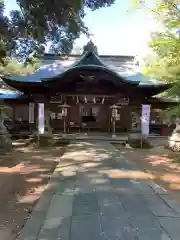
{"x": 97, "y": 194}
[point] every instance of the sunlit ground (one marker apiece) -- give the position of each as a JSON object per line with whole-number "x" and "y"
{"x": 159, "y": 163}
{"x": 24, "y": 174}
{"x": 30, "y": 170}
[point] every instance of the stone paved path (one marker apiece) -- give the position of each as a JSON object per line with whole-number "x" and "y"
{"x": 96, "y": 194}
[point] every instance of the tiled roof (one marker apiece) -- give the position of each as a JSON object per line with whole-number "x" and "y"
{"x": 52, "y": 66}
{"x": 8, "y": 94}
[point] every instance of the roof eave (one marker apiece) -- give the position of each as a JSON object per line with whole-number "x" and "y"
{"x": 19, "y": 85}
{"x": 156, "y": 85}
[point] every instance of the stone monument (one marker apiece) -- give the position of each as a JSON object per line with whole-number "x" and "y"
{"x": 5, "y": 136}
{"x": 174, "y": 139}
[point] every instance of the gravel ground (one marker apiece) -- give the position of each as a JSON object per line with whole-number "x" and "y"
{"x": 24, "y": 173}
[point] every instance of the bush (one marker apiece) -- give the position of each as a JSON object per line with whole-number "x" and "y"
{"x": 46, "y": 140}
{"x": 42, "y": 140}
{"x": 135, "y": 140}
{"x": 138, "y": 143}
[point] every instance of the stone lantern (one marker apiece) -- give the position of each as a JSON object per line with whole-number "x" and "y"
{"x": 64, "y": 114}
{"x": 114, "y": 115}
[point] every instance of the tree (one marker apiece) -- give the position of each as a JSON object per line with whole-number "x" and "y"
{"x": 165, "y": 64}
{"x": 77, "y": 50}
{"x": 41, "y": 21}
{"x": 5, "y": 36}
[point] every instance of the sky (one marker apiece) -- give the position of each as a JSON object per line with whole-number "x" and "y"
{"x": 116, "y": 30}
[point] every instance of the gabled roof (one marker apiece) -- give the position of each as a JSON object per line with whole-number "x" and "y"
{"x": 57, "y": 68}
{"x": 57, "y": 72}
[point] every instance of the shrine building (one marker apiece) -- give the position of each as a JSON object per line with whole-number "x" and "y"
{"x": 78, "y": 93}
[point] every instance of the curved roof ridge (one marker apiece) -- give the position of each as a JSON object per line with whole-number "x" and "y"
{"x": 91, "y": 66}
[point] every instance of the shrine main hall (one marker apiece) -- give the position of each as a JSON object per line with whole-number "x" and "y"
{"x": 79, "y": 93}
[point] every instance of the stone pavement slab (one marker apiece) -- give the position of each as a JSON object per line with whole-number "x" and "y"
{"x": 85, "y": 203}
{"x": 172, "y": 202}
{"x": 36, "y": 220}
{"x": 145, "y": 223}
{"x": 172, "y": 226}
{"x": 86, "y": 227}
{"x": 97, "y": 194}
{"x": 61, "y": 230}
{"x": 162, "y": 210}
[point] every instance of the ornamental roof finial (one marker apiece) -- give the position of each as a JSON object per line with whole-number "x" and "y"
{"x": 90, "y": 46}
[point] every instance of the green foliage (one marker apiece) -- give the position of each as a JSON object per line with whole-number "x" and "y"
{"x": 40, "y": 21}
{"x": 167, "y": 43}
{"x": 76, "y": 50}
{"x": 139, "y": 143}
{"x": 164, "y": 65}
{"x": 12, "y": 67}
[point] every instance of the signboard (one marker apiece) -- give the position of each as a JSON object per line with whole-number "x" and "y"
{"x": 41, "y": 118}
{"x": 31, "y": 112}
{"x": 145, "y": 117}
{"x": 123, "y": 101}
